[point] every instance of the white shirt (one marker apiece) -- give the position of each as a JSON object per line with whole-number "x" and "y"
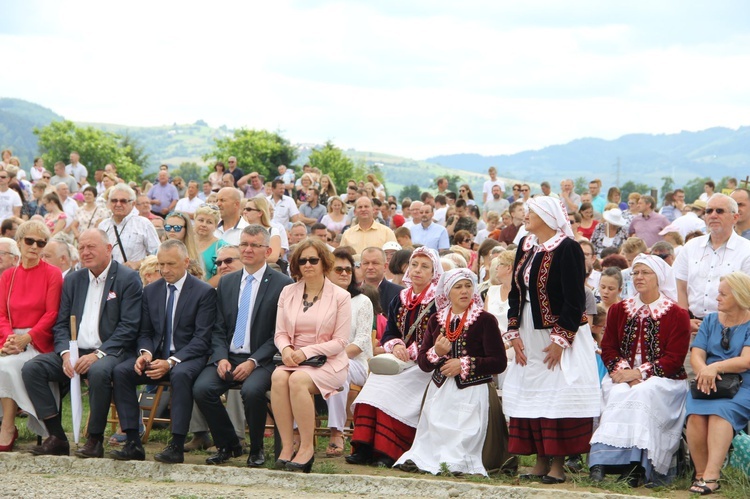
{"x": 283, "y": 210}
{"x": 188, "y": 205}
{"x": 231, "y": 235}
{"x": 439, "y": 215}
{"x": 70, "y": 207}
{"x": 9, "y": 200}
{"x": 179, "y": 284}
{"x": 88, "y": 332}
{"x": 281, "y": 232}
{"x": 257, "y": 276}
{"x": 78, "y": 171}
{"x": 489, "y": 184}
{"x": 688, "y": 223}
{"x": 701, "y": 267}
{"x": 138, "y": 236}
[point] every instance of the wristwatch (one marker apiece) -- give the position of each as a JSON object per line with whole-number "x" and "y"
{"x": 100, "y": 354}
{"x": 171, "y": 363}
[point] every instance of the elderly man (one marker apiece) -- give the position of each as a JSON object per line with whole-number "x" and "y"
{"x": 649, "y": 223}
{"x": 251, "y": 184}
{"x": 415, "y": 214}
{"x": 367, "y": 232}
{"x": 57, "y": 253}
{"x": 143, "y": 205}
{"x": 62, "y": 176}
{"x": 373, "y": 265}
{"x": 297, "y": 233}
{"x": 132, "y": 237}
{"x": 742, "y": 197}
{"x": 191, "y": 201}
{"x": 77, "y": 169}
{"x": 228, "y": 260}
{"x": 9, "y": 254}
{"x": 703, "y": 260}
{"x": 70, "y": 207}
{"x": 665, "y": 251}
{"x": 231, "y": 224}
{"x": 105, "y": 298}
{"x": 285, "y": 210}
{"x": 163, "y": 195}
{"x": 174, "y": 340}
{"x": 571, "y": 200}
{"x": 428, "y": 233}
{"x": 227, "y": 180}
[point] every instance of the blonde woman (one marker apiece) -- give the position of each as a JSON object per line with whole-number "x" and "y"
{"x": 327, "y": 190}
{"x": 372, "y": 179}
{"x": 206, "y": 219}
{"x": 335, "y": 220}
{"x": 256, "y": 212}
{"x": 149, "y": 270}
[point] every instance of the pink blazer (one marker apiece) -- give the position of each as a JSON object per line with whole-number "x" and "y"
{"x": 333, "y": 314}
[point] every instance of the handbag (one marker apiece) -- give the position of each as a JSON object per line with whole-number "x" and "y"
{"x": 388, "y": 364}
{"x": 314, "y": 361}
{"x": 740, "y": 457}
{"x": 726, "y": 388}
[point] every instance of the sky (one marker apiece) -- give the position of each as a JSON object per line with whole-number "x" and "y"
{"x": 412, "y": 78}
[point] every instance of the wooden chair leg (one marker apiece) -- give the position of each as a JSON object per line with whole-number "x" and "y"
{"x": 149, "y": 422}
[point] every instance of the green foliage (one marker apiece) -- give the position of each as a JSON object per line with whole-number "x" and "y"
{"x": 96, "y": 147}
{"x": 667, "y": 186}
{"x": 190, "y": 171}
{"x": 134, "y": 150}
{"x": 454, "y": 181}
{"x": 581, "y": 184}
{"x": 694, "y": 188}
{"x": 332, "y": 161}
{"x": 631, "y": 186}
{"x": 256, "y": 150}
{"x": 411, "y": 191}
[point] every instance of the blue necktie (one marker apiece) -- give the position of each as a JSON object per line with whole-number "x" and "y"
{"x": 168, "y": 332}
{"x": 243, "y": 314}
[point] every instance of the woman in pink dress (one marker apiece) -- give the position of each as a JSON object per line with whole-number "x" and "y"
{"x": 314, "y": 318}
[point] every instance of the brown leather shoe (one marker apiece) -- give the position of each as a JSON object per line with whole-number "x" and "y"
{"x": 52, "y": 446}
{"x": 200, "y": 441}
{"x": 92, "y": 448}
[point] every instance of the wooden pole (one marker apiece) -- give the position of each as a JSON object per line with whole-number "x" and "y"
{"x": 73, "y": 332}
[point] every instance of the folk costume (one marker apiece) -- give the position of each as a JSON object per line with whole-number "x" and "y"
{"x": 386, "y": 411}
{"x": 551, "y": 411}
{"x": 462, "y": 424}
{"x": 643, "y": 423}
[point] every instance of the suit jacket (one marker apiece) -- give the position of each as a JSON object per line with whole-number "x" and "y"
{"x": 262, "y": 322}
{"x": 388, "y": 291}
{"x": 193, "y": 319}
{"x": 119, "y": 313}
{"x": 333, "y": 316}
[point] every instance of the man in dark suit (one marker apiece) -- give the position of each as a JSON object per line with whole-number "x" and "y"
{"x": 372, "y": 262}
{"x": 243, "y": 348}
{"x": 105, "y": 298}
{"x": 175, "y": 337}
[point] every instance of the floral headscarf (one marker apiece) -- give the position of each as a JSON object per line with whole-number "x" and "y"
{"x": 443, "y": 289}
{"x": 437, "y": 271}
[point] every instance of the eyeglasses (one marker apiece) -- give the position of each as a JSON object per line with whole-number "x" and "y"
{"x": 311, "y": 261}
{"x": 173, "y": 228}
{"x": 252, "y": 245}
{"x": 227, "y": 261}
{"x": 3, "y": 176}
{"x": 252, "y": 209}
{"x": 6, "y": 253}
{"x": 663, "y": 256}
{"x": 719, "y": 211}
{"x": 524, "y": 190}
{"x": 119, "y": 201}
{"x": 643, "y": 273}
{"x": 725, "y": 335}
{"x": 329, "y": 240}
{"x": 30, "y": 241}
{"x": 343, "y": 270}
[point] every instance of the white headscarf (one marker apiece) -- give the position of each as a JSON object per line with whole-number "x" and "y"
{"x": 664, "y": 274}
{"x": 443, "y": 289}
{"x": 437, "y": 271}
{"x": 552, "y": 212}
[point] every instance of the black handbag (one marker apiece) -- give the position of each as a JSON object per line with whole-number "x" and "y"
{"x": 726, "y": 388}
{"x": 314, "y": 361}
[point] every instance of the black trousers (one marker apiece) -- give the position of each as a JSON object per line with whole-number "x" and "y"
{"x": 181, "y": 379}
{"x": 210, "y": 387}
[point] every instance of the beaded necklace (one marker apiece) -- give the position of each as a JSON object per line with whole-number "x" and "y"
{"x": 453, "y": 335}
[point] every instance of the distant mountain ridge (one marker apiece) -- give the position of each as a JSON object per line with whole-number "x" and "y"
{"x": 714, "y": 152}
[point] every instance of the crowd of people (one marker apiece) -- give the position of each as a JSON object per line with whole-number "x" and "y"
{"x": 589, "y": 314}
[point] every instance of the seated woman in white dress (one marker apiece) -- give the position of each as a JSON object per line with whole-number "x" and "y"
{"x": 461, "y": 424}
{"x": 644, "y": 392}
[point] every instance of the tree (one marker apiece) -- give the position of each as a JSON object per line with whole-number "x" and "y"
{"x": 411, "y": 191}
{"x": 134, "y": 150}
{"x": 581, "y": 185}
{"x": 332, "y": 161}
{"x": 255, "y": 150}
{"x": 694, "y": 188}
{"x": 189, "y": 171}
{"x": 96, "y": 147}
{"x": 630, "y": 186}
{"x": 667, "y": 186}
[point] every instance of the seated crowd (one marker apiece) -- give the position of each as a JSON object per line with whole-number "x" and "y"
{"x": 589, "y": 315}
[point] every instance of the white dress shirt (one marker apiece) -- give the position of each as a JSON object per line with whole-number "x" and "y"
{"x": 257, "y": 276}
{"x": 88, "y": 332}
{"x": 179, "y": 284}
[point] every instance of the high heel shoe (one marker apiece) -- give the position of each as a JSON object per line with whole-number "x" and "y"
{"x": 9, "y": 447}
{"x": 280, "y": 464}
{"x": 303, "y": 467}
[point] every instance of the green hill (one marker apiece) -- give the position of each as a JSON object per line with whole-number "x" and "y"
{"x": 17, "y": 121}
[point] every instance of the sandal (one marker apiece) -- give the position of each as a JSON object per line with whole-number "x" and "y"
{"x": 334, "y": 450}
{"x": 701, "y": 487}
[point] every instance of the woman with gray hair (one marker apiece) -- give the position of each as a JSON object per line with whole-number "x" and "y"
{"x": 29, "y": 302}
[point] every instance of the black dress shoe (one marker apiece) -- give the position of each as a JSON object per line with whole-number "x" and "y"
{"x": 303, "y": 467}
{"x": 92, "y": 448}
{"x": 131, "y": 451}
{"x": 633, "y": 475}
{"x": 256, "y": 459}
{"x": 384, "y": 462}
{"x": 224, "y": 454}
{"x": 596, "y": 473}
{"x": 171, "y": 454}
{"x": 552, "y": 480}
{"x": 52, "y": 446}
{"x": 363, "y": 455}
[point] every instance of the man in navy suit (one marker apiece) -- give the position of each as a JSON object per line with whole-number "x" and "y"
{"x": 177, "y": 315}
{"x": 243, "y": 348}
{"x": 105, "y": 298}
{"x": 373, "y": 266}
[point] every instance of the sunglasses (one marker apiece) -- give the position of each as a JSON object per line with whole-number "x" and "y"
{"x": 252, "y": 209}
{"x": 524, "y": 190}
{"x": 343, "y": 270}
{"x": 311, "y": 261}
{"x": 725, "y": 334}
{"x": 329, "y": 240}
{"x": 173, "y": 228}
{"x": 119, "y": 201}
{"x": 227, "y": 261}
{"x": 30, "y": 241}
{"x": 719, "y": 211}
{"x": 46, "y": 177}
